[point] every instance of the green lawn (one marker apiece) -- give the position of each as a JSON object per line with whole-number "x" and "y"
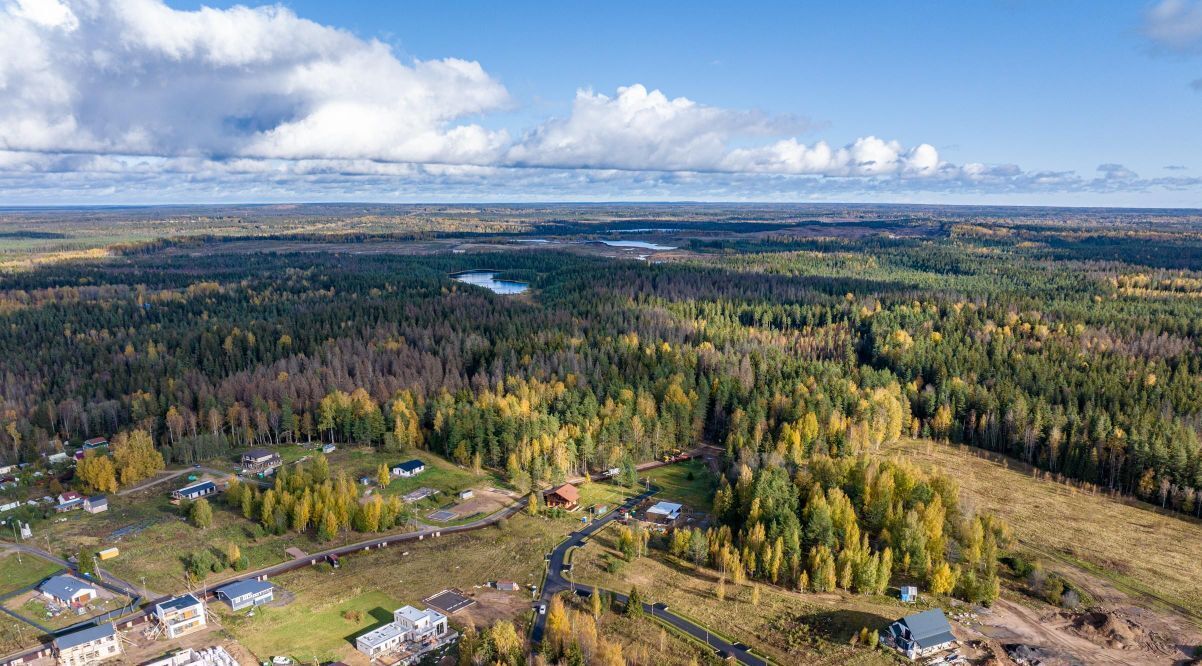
{"x": 317, "y": 626}
{"x": 675, "y": 485}
{"x": 20, "y": 571}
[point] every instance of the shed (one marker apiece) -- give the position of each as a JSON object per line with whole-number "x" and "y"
{"x": 909, "y": 593}
{"x": 466, "y": 494}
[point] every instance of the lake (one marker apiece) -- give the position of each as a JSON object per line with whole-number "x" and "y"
{"x": 642, "y": 245}
{"x": 488, "y": 280}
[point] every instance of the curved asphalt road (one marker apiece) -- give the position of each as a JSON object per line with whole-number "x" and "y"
{"x": 557, "y": 582}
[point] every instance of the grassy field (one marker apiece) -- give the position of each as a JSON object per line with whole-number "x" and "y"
{"x": 1132, "y": 545}
{"x": 696, "y": 493}
{"x": 378, "y": 582}
{"x": 789, "y": 627}
{"x": 20, "y": 571}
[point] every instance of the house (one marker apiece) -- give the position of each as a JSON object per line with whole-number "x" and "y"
{"x": 921, "y": 634}
{"x": 195, "y": 491}
{"x": 466, "y": 494}
{"x": 507, "y": 586}
{"x": 261, "y": 460}
{"x": 664, "y": 513}
{"x": 328, "y": 448}
{"x": 87, "y": 646}
{"x": 67, "y": 590}
{"x": 408, "y": 468}
{"x": 94, "y": 443}
{"x": 57, "y": 458}
{"x": 365, "y": 480}
{"x": 564, "y": 497}
{"x": 96, "y": 504}
{"x": 909, "y": 593}
{"x": 69, "y": 501}
{"x": 415, "y": 630}
{"x": 180, "y": 615}
{"x": 247, "y": 593}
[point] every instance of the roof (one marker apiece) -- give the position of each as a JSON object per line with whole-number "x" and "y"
{"x": 414, "y": 615}
{"x": 243, "y": 588}
{"x": 63, "y": 586}
{"x": 929, "y": 628}
{"x": 197, "y": 487}
{"x": 70, "y": 495}
{"x": 666, "y": 508}
{"x": 380, "y": 635}
{"x": 84, "y": 636}
{"x": 258, "y": 453}
{"x": 178, "y": 603}
{"x": 566, "y": 491}
{"x": 410, "y": 465}
{"x": 94, "y": 441}
{"x": 98, "y": 499}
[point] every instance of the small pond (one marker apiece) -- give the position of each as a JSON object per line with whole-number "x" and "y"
{"x": 488, "y": 280}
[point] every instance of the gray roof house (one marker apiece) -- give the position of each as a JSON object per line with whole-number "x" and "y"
{"x": 96, "y": 504}
{"x": 921, "y": 634}
{"x": 87, "y": 646}
{"x": 246, "y": 593}
{"x": 67, "y": 590}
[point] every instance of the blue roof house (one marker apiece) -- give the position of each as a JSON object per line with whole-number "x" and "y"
{"x": 408, "y": 468}
{"x": 67, "y": 590}
{"x": 246, "y": 593}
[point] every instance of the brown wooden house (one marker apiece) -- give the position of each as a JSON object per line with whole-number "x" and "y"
{"x": 565, "y": 497}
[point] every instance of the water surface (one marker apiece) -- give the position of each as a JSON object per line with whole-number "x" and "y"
{"x": 488, "y": 280}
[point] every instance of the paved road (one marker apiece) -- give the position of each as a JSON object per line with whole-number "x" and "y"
{"x": 720, "y": 646}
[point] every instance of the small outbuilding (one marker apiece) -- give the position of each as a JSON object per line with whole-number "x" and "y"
{"x": 908, "y": 593}
{"x": 507, "y": 586}
{"x": 466, "y": 494}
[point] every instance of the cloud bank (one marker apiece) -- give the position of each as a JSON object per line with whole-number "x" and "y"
{"x": 119, "y": 97}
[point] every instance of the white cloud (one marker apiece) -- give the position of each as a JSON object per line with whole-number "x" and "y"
{"x": 1175, "y": 24}
{"x": 134, "y": 100}
{"x": 138, "y": 77}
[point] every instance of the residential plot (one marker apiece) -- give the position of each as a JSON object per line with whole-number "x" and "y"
{"x": 377, "y": 582}
{"x": 789, "y": 627}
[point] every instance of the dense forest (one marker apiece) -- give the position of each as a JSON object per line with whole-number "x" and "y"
{"x": 1074, "y": 352}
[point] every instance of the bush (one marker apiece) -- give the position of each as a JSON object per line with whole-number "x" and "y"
{"x": 355, "y": 616}
{"x": 613, "y": 564}
{"x": 1017, "y": 564}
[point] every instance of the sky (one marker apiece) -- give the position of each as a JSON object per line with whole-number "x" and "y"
{"x": 990, "y": 102}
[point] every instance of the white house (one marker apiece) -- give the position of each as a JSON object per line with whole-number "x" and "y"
{"x": 96, "y": 504}
{"x": 180, "y": 615}
{"x": 87, "y": 646}
{"x": 408, "y": 468}
{"x": 409, "y": 626}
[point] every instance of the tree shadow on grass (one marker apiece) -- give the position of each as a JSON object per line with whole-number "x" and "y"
{"x": 840, "y": 625}
{"x": 381, "y": 617}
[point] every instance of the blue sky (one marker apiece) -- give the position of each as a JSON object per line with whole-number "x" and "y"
{"x": 1079, "y": 103}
